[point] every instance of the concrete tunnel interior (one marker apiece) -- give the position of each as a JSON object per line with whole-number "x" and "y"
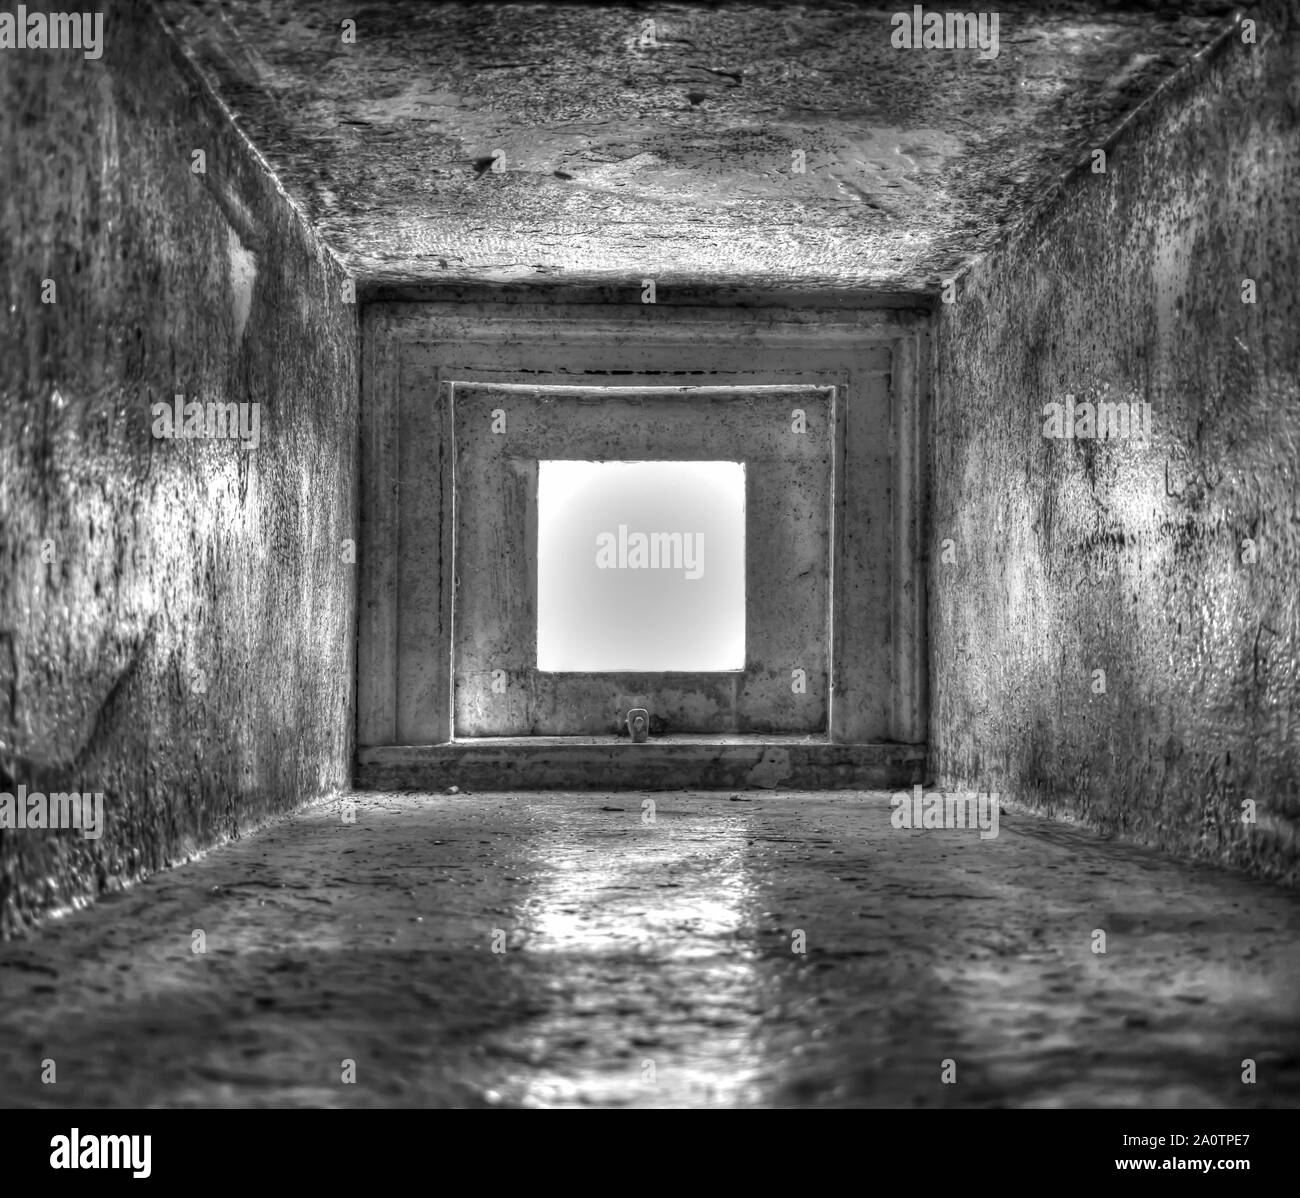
{"x": 305, "y": 301}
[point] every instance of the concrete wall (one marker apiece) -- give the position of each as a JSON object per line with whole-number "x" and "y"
{"x": 176, "y": 623}
{"x": 1072, "y": 556}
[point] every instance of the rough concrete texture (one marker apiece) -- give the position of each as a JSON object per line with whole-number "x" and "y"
{"x": 176, "y": 626}
{"x": 1132, "y": 557}
{"x": 618, "y": 158}
{"x": 653, "y": 965}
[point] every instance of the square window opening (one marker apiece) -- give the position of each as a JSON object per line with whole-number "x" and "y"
{"x": 640, "y": 567}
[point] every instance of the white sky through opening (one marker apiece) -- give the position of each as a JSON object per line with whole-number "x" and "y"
{"x": 640, "y": 566}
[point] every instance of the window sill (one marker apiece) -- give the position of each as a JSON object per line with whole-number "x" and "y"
{"x": 661, "y": 763}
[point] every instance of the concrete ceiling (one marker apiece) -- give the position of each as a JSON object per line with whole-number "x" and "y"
{"x": 624, "y": 161}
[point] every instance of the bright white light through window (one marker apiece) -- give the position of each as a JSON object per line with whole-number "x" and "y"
{"x": 640, "y": 566}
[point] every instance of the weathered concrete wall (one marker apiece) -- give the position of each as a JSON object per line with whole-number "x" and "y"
{"x": 1071, "y": 556}
{"x": 176, "y": 625}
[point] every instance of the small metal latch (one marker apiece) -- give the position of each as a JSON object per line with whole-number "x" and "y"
{"x": 638, "y": 724}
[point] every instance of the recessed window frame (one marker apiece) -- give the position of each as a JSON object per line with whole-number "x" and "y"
{"x": 874, "y": 350}
{"x": 501, "y": 431}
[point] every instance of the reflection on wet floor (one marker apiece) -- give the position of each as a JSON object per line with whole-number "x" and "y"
{"x": 563, "y": 950}
{"x": 673, "y": 906}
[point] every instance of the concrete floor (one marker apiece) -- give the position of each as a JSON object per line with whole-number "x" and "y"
{"x": 652, "y": 964}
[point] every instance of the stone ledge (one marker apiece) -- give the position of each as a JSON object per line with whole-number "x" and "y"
{"x": 588, "y": 763}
